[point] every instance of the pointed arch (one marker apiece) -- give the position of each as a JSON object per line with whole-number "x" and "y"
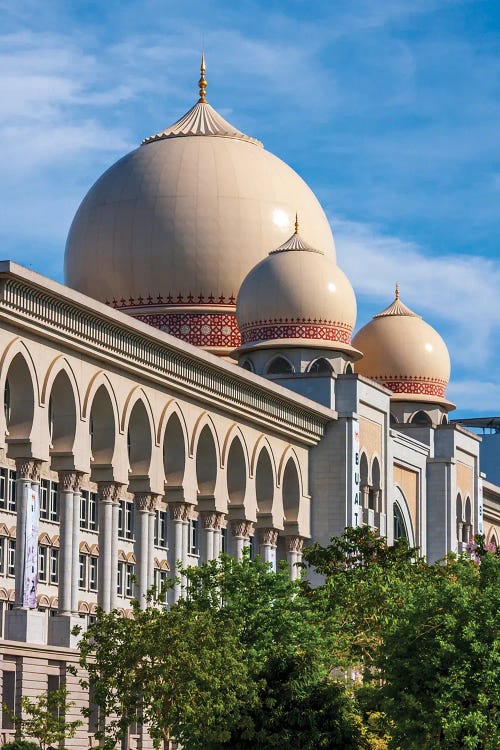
{"x": 401, "y": 513}
{"x": 288, "y": 453}
{"x": 375, "y": 472}
{"x": 63, "y": 412}
{"x": 173, "y": 437}
{"x": 421, "y": 417}
{"x": 262, "y": 441}
{"x": 234, "y": 430}
{"x": 236, "y": 465}
{"x": 60, "y": 364}
{"x": 291, "y": 489}
{"x": 171, "y": 407}
{"x": 140, "y": 435}
{"x": 265, "y": 480}
{"x": 207, "y": 459}
{"x": 138, "y": 394}
{"x": 100, "y": 378}
{"x": 364, "y": 471}
{"x": 19, "y": 388}
{"x": 204, "y": 420}
{"x": 279, "y": 365}
{"x": 320, "y": 366}
{"x": 13, "y": 348}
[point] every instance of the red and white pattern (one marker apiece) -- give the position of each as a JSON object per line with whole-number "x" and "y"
{"x": 290, "y": 328}
{"x": 435, "y": 388}
{"x": 213, "y": 330}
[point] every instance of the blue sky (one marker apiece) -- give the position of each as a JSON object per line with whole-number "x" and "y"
{"x": 389, "y": 109}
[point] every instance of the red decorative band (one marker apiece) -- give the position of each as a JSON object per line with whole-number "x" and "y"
{"x": 211, "y": 330}
{"x": 335, "y": 333}
{"x": 173, "y": 299}
{"x": 421, "y": 387}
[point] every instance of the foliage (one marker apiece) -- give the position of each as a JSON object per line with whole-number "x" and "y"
{"x": 44, "y": 719}
{"x": 20, "y": 745}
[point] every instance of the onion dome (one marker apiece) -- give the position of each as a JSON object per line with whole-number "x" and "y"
{"x": 297, "y": 297}
{"x": 405, "y": 354}
{"x": 169, "y": 232}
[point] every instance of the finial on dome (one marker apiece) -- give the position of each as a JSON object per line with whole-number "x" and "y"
{"x": 296, "y": 223}
{"x": 397, "y": 290}
{"x": 202, "y": 83}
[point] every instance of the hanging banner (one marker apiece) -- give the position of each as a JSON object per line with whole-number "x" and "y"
{"x": 356, "y": 495}
{"x": 479, "y": 506}
{"x": 31, "y": 549}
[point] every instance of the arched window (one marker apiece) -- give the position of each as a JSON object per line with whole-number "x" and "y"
{"x": 279, "y": 366}
{"x": 444, "y": 419}
{"x": 460, "y": 517}
{"x": 247, "y": 365}
{"x": 321, "y": 367}
{"x": 400, "y": 531}
{"x": 421, "y": 418}
{"x": 349, "y": 369}
{"x": 467, "y": 528}
{"x": 394, "y": 419}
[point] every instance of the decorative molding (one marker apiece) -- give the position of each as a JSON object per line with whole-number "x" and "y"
{"x": 28, "y": 469}
{"x": 177, "y": 511}
{"x": 268, "y": 536}
{"x": 71, "y": 480}
{"x": 215, "y": 330}
{"x": 296, "y": 329}
{"x": 415, "y": 385}
{"x": 294, "y": 543}
{"x": 109, "y": 492}
{"x": 84, "y": 329}
{"x": 242, "y": 528}
{"x": 173, "y": 300}
{"x": 208, "y": 519}
{"x": 143, "y": 501}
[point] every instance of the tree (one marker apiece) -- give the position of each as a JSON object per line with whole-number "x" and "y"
{"x": 44, "y": 718}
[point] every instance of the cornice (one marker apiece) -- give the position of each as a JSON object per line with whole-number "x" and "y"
{"x": 81, "y": 323}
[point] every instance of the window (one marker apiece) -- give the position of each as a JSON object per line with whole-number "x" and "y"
{"x": 321, "y": 367}
{"x": 11, "y": 557}
{"x": 82, "y": 578}
{"x": 421, "y": 418}
{"x": 49, "y": 505}
{"x": 251, "y": 546}
{"x": 7, "y": 489}
{"x": 279, "y": 366}
{"x": 126, "y": 520}
{"x": 124, "y": 583}
{"x": 42, "y": 564}
{"x": 223, "y": 540}
{"x": 54, "y": 565}
{"x": 349, "y": 369}
{"x": 6, "y": 402}
{"x": 93, "y": 568}
{"x": 193, "y": 537}
{"x": 129, "y": 586}
{"x": 399, "y": 524}
{"x": 161, "y": 533}
{"x": 44, "y": 499}
{"x": 247, "y": 365}
{"x": 88, "y": 510}
{"x": 160, "y": 580}
{"x": 119, "y": 579}
{"x": 2, "y": 555}
{"x": 8, "y": 698}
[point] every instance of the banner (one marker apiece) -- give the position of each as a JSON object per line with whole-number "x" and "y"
{"x": 357, "y": 511}
{"x": 479, "y": 506}
{"x": 31, "y": 549}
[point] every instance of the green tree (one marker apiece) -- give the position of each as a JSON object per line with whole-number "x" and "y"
{"x": 44, "y": 718}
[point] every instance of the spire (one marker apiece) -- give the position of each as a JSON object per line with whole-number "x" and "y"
{"x": 397, "y": 290}
{"x": 202, "y": 83}
{"x": 296, "y": 223}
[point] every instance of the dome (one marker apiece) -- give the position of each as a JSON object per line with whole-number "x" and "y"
{"x": 296, "y": 296}
{"x": 405, "y": 354}
{"x": 169, "y": 232}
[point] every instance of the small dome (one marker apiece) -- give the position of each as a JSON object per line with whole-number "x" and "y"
{"x": 296, "y": 296}
{"x": 405, "y": 354}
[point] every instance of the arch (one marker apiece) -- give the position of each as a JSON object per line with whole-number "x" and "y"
{"x": 467, "y": 527}
{"x": 289, "y": 452}
{"x": 400, "y": 504}
{"x": 63, "y": 412}
{"x": 43, "y": 600}
{"x": 204, "y": 420}
{"x": 236, "y": 471}
{"x": 138, "y": 394}
{"x": 320, "y": 366}
{"x": 97, "y": 380}
{"x": 94, "y": 550}
{"x": 4, "y": 595}
{"x": 376, "y": 473}
{"x": 246, "y": 364}
{"x": 20, "y": 394}
{"x": 349, "y": 369}
{"x": 459, "y": 516}
{"x": 291, "y": 490}
{"x": 261, "y": 441}
{"x": 140, "y": 432}
{"x": 174, "y": 449}
{"x": 206, "y": 461}
{"x": 234, "y": 430}
{"x": 171, "y": 407}
{"x": 84, "y": 548}
{"x": 279, "y": 365}
{"x": 265, "y": 481}
{"x": 363, "y": 470}
{"x": 103, "y": 420}
{"x": 59, "y": 364}
{"x": 493, "y": 541}
{"x": 13, "y": 348}
{"x": 44, "y": 539}
{"x": 393, "y": 419}
{"x": 444, "y": 419}
{"x": 422, "y": 418}
{"x": 83, "y": 607}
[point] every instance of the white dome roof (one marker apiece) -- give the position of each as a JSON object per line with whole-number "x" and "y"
{"x": 296, "y": 296}
{"x": 405, "y": 354}
{"x": 169, "y": 232}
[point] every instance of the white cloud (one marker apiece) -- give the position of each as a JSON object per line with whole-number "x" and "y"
{"x": 475, "y": 395}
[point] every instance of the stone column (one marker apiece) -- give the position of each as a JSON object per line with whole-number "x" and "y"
{"x": 177, "y": 513}
{"x": 113, "y": 573}
{"x": 365, "y": 494}
{"x": 75, "y": 540}
{"x": 208, "y": 520}
{"x": 144, "y": 503}
{"x": 268, "y": 540}
{"x": 377, "y": 500}
{"x": 108, "y": 496}
{"x": 151, "y": 538}
{"x": 294, "y": 546}
{"x": 241, "y": 530}
{"x": 27, "y": 475}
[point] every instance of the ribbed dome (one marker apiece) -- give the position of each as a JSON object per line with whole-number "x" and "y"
{"x": 296, "y": 296}
{"x": 405, "y": 354}
{"x": 169, "y": 232}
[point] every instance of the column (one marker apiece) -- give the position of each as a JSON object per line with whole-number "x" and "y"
{"x": 177, "y": 512}
{"x": 66, "y": 511}
{"x": 217, "y": 535}
{"x": 377, "y": 500}
{"x": 142, "y": 501}
{"x": 113, "y": 573}
{"x": 365, "y": 492}
{"x": 151, "y": 540}
{"x": 108, "y": 495}
{"x": 75, "y": 541}
{"x": 208, "y": 521}
{"x": 27, "y": 470}
{"x": 268, "y": 541}
{"x": 294, "y": 546}
{"x": 241, "y": 531}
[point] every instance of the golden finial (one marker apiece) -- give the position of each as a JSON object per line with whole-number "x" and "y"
{"x": 296, "y": 223}
{"x": 397, "y": 290}
{"x": 202, "y": 83}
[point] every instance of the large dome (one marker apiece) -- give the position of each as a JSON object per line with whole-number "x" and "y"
{"x": 405, "y": 354}
{"x": 169, "y": 232}
{"x": 297, "y": 296}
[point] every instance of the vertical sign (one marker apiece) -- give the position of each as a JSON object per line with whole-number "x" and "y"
{"x": 31, "y": 549}
{"x": 356, "y": 497}
{"x": 479, "y": 506}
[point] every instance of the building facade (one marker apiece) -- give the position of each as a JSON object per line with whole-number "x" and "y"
{"x": 194, "y": 388}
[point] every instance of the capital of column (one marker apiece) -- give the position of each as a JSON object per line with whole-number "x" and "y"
{"x": 294, "y": 543}
{"x": 210, "y": 519}
{"x": 242, "y": 528}
{"x": 28, "y": 468}
{"x": 179, "y": 511}
{"x": 268, "y": 536}
{"x": 109, "y": 492}
{"x": 71, "y": 480}
{"x": 145, "y": 501}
